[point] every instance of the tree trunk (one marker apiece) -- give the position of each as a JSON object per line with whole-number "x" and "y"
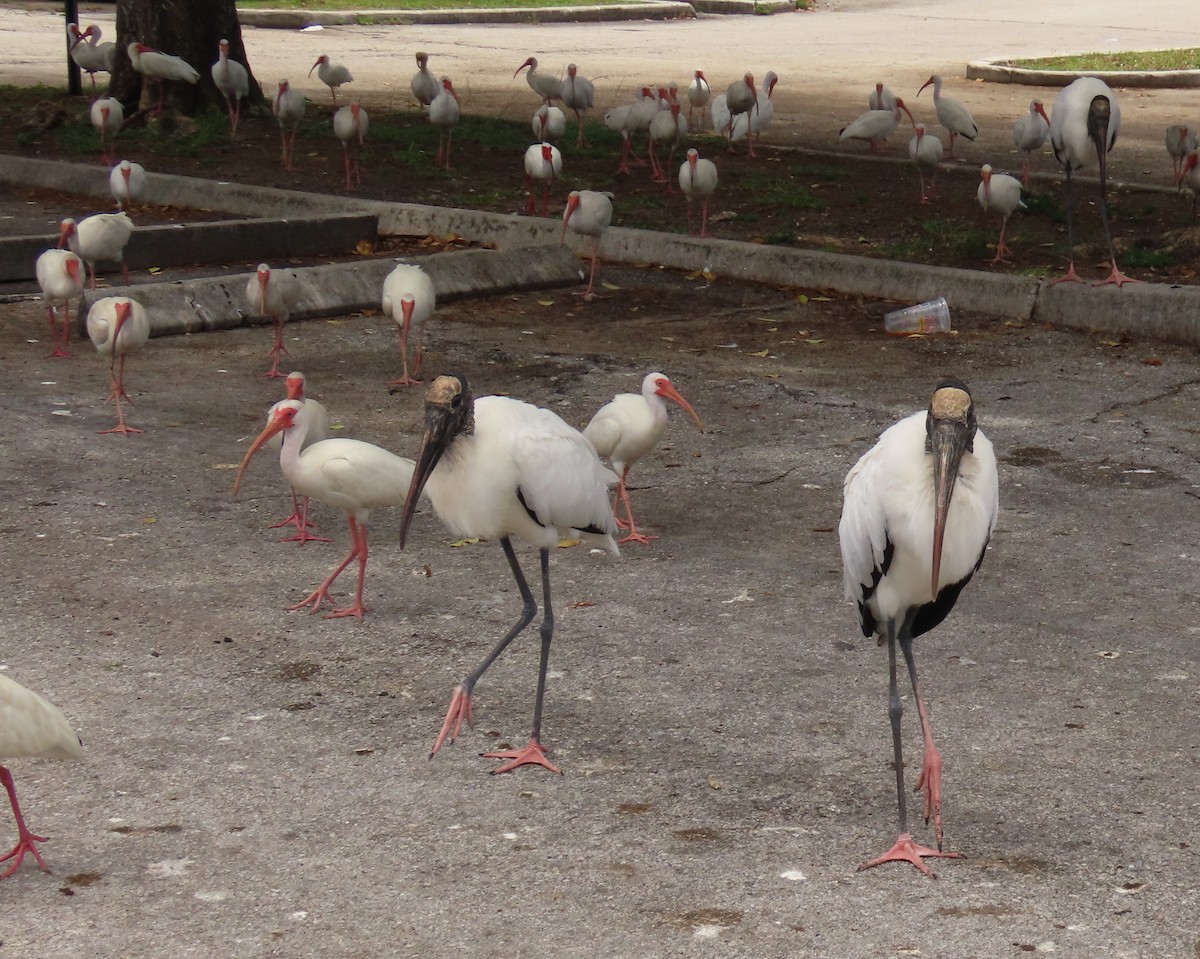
{"x": 190, "y": 29}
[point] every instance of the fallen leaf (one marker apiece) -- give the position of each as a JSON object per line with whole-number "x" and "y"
{"x": 759, "y": 353}
{"x": 610, "y": 286}
{"x": 801, "y": 297}
{"x": 154, "y": 270}
{"x": 714, "y": 782}
{"x": 545, "y": 302}
{"x": 337, "y": 426}
{"x": 582, "y": 604}
{"x": 225, "y": 466}
{"x": 149, "y": 520}
{"x": 822, "y": 299}
{"x": 464, "y": 542}
{"x": 814, "y": 341}
{"x": 363, "y": 247}
{"x": 568, "y": 543}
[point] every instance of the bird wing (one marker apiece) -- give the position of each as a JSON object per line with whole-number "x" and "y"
{"x": 32, "y": 726}
{"x": 604, "y": 430}
{"x": 862, "y": 532}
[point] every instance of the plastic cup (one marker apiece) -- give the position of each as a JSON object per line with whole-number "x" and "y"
{"x": 930, "y": 317}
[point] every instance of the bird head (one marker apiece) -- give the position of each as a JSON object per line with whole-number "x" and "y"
{"x": 66, "y": 230}
{"x": 422, "y": 59}
{"x": 1191, "y": 161}
{"x": 700, "y": 75}
{"x": 664, "y": 388}
{"x": 264, "y": 278}
{"x": 531, "y": 63}
{"x": 571, "y": 70}
{"x": 449, "y": 87}
{"x": 692, "y": 157}
{"x": 73, "y": 30}
{"x": 1098, "y": 117}
{"x": 126, "y": 172}
{"x": 322, "y": 59}
{"x": 224, "y": 46}
{"x": 1040, "y": 109}
{"x": 295, "y": 386}
{"x": 900, "y": 105}
{"x": 124, "y": 308}
{"x": 985, "y": 174}
{"x": 932, "y": 81}
{"x": 572, "y": 205}
{"x": 449, "y": 412}
{"x": 548, "y": 152}
{"x": 284, "y": 417}
{"x": 73, "y": 268}
{"x": 949, "y": 434}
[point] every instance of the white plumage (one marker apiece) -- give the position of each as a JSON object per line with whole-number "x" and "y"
{"x": 273, "y": 293}
{"x": 117, "y": 327}
{"x": 588, "y": 213}
{"x": 549, "y": 123}
{"x": 881, "y": 98}
{"x": 667, "y": 129}
{"x": 952, "y": 114}
{"x": 999, "y": 193}
{"x": 698, "y": 94}
{"x": 350, "y": 125}
{"x": 1029, "y": 135}
{"x": 99, "y": 237}
{"x": 288, "y": 107}
{"x": 160, "y": 67}
{"x": 333, "y": 75}
{"x": 424, "y": 83}
{"x": 697, "y": 181}
{"x": 233, "y": 81}
{"x": 740, "y": 97}
{"x": 444, "y": 114}
{"x": 925, "y": 150}
{"x": 409, "y": 299}
{"x": 543, "y": 162}
{"x": 60, "y": 276}
{"x": 89, "y": 54}
{"x": 875, "y": 126}
{"x": 749, "y": 126}
{"x": 107, "y": 116}
{"x": 127, "y": 182}
{"x": 1180, "y": 141}
{"x": 578, "y": 94}
{"x": 318, "y": 429}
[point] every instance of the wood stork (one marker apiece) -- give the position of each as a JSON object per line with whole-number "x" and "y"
{"x": 444, "y": 114}
{"x": 1180, "y": 142}
{"x": 233, "y": 82}
{"x": 588, "y": 213}
{"x": 89, "y": 54}
{"x": 1191, "y": 176}
{"x": 424, "y": 83}
{"x": 318, "y": 430}
{"x": 288, "y": 107}
{"x": 333, "y": 75}
{"x": 698, "y": 181}
{"x": 918, "y": 512}
{"x": 925, "y": 150}
{"x": 578, "y": 94}
{"x": 107, "y": 116}
{"x": 881, "y": 98}
{"x": 740, "y": 97}
{"x": 627, "y": 428}
{"x": 1001, "y": 193}
{"x": 698, "y": 94}
{"x": 496, "y": 467}
{"x": 29, "y": 726}
{"x": 60, "y": 276}
{"x": 354, "y": 476}
{"x": 875, "y": 126}
{"x": 159, "y": 67}
{"x": 273, "y": 293}
{"x": 1084, "y": 123}
{"x": 548, "y": 123}
{"x": 409, "y": 299}
{"x": 952, "y": 114}
{"x": 543, "y": 84}
{"x": 127, "y": 182}
{"x": 543, "y": 163}
{"x": 1029, "y": 135}
{"x": 99, "y": 237}
{"x": 350, "y": 125}
{"x": 117, "y": 327}
{"x": 667, "y": 129}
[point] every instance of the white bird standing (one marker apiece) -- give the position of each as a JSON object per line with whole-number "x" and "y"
{"x": 127, "y": 182}
{"x": 740, "y": 97}
{"x": 1029, "y": 135}
{"x": 354, "y": 476}
{"x": 543, "y": 162}
{"x": 667, "y": 129}
{"x": 588, "y": 213}
{"x": 318, "y": 429}
{"x": 627, "y": 428}
{"x": 543, "y": 84}
{"x": 578, "y": 94}
{"x": 29, "y": 726}
{"x": 1084, "y": 123}
{"x": 1001, "y": 193}
{"x": 918, "y": 512}
{"x": 698, "y": 181}
{"x": 952, "y": 114}
{"x": 160, "y": 67}
{"x": 698, "y": 94}
{"x": 288, "y": 107}
{"x": 273, "y": 293}
{"x": 89, "y": 54}
{"x": 99, "y": 237}
{"x": 333, "y": 75}
{"x": 881, "y": 98}
{"x": 750, "y": 125}
{"x": 350, "y": 124}
{"x": 1180, "y": 142}
{"x": 925, "y": 150}
{"x": 424, "y": 83}
{"x": 496, "y": 468}
{"x": 117, "y": 327}
{"x": 1190, "y": 175}
{"x": 549, "y": 123}
{"x": 233, "y": 82}
{"x": 107, "y": 117}
{"x": 875, "y": 126}
{"x": 60, "y": 276}
{"x": 444, "y": 114}
{"x": 409, "y": 299}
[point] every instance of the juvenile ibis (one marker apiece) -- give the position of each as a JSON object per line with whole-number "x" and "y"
{"x": 543, "y": 163}
{"x": 925, "y": 150}
{"x": 918, "y": 511}
{"x": 875, "y": 126}
{"x": 354, "y": 476}
{"x": 89, "y": 54}
{"x": 750, "y": 125}
{"x": 60, "y": 276}
{"x": 740, "y": 97}
{"x": 409, "y": 299}
{"x": 543, "y": 84}
{"x": 318, "y": 429}
{"x": 697, "y": 181}
{"x": 952, "y": 114}
{"x": 273, "y": 293}
{"x": 444, "y": 114}
{"x": 881, "y": 98}
{"x": 579, "y": 95}
{"x": 288, "y": 107}
{"x": 99, "y": 237}
{"x": 159, "y": 67}
{"x": 127, "y": 182}
{"x": 495, "y": 467}
{"x": 29, "y": 726}
{"x": 588, "y": 213}
{"x": 333, "y": 75}
{"x": 233, "y": 82}
{"x": 627, "y": 428}
{"x": 1029, "y": 135}
{"x": 1000, "y": 193}
{"x": 667, "y": 129}
{"x": 549, "y": 123}
{"x": 698, "y": 94}
{"x": 350, "y": 125}
{"x": 117, "y": 327}
{"x": 107, "y": 116}
{"x": 1180, "y": 142}
{"x": 424, "y": 83}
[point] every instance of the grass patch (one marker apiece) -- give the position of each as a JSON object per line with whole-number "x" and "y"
{"x": 1187, "y": 58}
{"x": 1138, "y": 258}
{"x": 779, "y": 193}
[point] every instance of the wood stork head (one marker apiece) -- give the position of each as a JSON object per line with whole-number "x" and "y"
{"x": 449, "y": 413}
{"x": 949, "y": 433}
{"x": 1099, "y": 116}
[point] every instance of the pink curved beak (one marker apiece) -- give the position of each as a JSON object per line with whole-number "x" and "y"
{"x": 667, "y": 391}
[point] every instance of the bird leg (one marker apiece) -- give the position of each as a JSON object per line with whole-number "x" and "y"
{"x": 704, "y": 217}
{"x": 953, "y": 137}
{"x": 405, "y": 379}
{"x": 588, "y": 294}
{"x": 623, "y": 496}
{"x": 25, "y": 838}
{"x": 546, "y": 199}
{"x": 581, "y": 141}
{"x": 1001, "y": 248}
{"x": 117, "y": 393}
{"x": 346, "y": 156}
{"x": 1026, "y": 172}
{"x": 626, "y": 152}
{"x": 357, "y": 609}
{"x": 534, "y": 753}
{"x": 299, "y": 519}
{"x": 1071, "y": 276}
{"x": 531, "y": 209}
{"x": 1115, "y": 276}
{"x": 319, "y": 595}
{"x": 59, "y": 350}
{"x": 930, "y": 780}
{"x": 277, "y": 350}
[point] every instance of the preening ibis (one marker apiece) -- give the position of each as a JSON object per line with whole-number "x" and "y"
{"x": 60, "y": 276}
{"x": 952, "y": 114}
{"x": 925, "y": 150}
{"x": 333, "y": 75}
{"x": 627, "y": 428}
{"x": 698, "y": 181}
{"x": 1029, "y": 134}
{"x": 750, "y": 125}
{"x": 444, "y": 114}
{"x": 160, "y": 67}
{"x": 578, "y": 94}
{"x": 543, "y": 163}
{"x": 875, "y": 126}
{"x": 318, "y": 430}
{"x": 288, "y": 107}
{"x": 273, "y": 293}
{"x": 918, "y": 511}
{"x": 233, "y": 82}
{"x": 101, "y": 236}
{"x": 1191, "y": 176}
{"x": 127, "y": 182}
{"x": 543, "y": 84}
{"x": 350, "y": 125}
{"x": 698, "y": 94}
{"x": 495, "y": 467}
{"x": 409, "y": 299}
{"x": 29, "y": 726}
{"x": 1084, "y": 123}
{"x": 424, "y": 83}
{"x": 1180, "y": 142}
{"x": 89, "y": 54}
{"x": 549, "y": 123}
{"x": 881, "y": 98}
{"x": 667, "y": 129}
{"x": 107, "y": 117}
{"x": 588, "y": 213}
{"x": 1001, "y": 193}
{"x": 740, "y": 97}
{"x": 354, "y": 476}
{"x": 117, "y": 327}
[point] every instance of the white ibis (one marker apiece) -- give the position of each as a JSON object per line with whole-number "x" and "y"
{"x": 952, "y": 114}
{"x": 350, "y": 125}
{"x": 60, "y": 276}
{"x": 1084, "y": 123}
{"x": 1000, "y": 193}
{"x": 444, "y": 114}
{"x": 354, "y": 476}
{"x": 1180, "y": 142}
{"x": 627, "y": 428}
{"x": 333, "y": 75}
{"x": 273, "y": 293}
{"x": 1029, "y": 135}
{"x": 697, "y": 181}
{"x": 918, "y": 511}
{"x": 424, "y": 83}
{"x": 667, "y": 129}
{"x": 925, "y": 150}
{"x": 496, "y": 467}
{"x": 740, "y": 97}
{"x": 588, "y": 213}
{"x": 409, "y": 299}
{"x": 750, "y": 125}
{"x": 543, "y": 162}
{"x": 127, "y": 182}
{"x": 233, "y": 82}
{"x": 318, "y": 430}
{"x": 545, "y": 86}
{"x": 159, "y": 67}
{"x": 117, "y": 327}
{"x": 549, "y": 123}
{"x": 875, "y": 126}
{"x": 99, "y": 237}
{"x": 698, "y": 94}
{"x": 1190, "y": 175}
{"x": 89, "y": 54}
{"x": 288, "y": 107}
{"x": 578, "y": 94}
{"x": 881, "y": 98}
{"x": 29, "y": 726}
{"x": 107, "y": 117}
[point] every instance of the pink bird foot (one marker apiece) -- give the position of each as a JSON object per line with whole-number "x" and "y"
{"x": 316, "y": 599}
{"x": 637, "y": 537}
{"x": 1117, "y": 278}
{"x": 61, "y": 352}
{"x": 905, "y": 850}
{"x": 25, "y": 844}
{"x": 460, "y": 711}
{"x": 120, "y": 428}
{"x": 532, "y": 755}
{"x": 304, "y": 536}
{"x": 405, "y": 381}
{"x": 1069, "y": 277}
{"x": 357, "y": 611}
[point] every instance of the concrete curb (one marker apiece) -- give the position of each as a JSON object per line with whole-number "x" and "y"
{"x": 998, "y": 71}
{"x": 652, "y": 10}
